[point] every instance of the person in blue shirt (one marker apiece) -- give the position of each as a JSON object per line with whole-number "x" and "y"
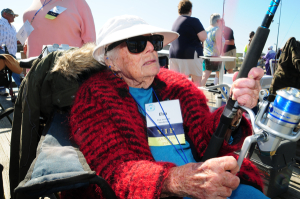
{"x": 270, "y": 55}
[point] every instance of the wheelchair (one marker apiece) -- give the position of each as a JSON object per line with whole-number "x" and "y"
{"x": 53, "y": 163}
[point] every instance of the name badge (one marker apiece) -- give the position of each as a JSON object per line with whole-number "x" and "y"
{"x": 24, "y": 32}
{"x": 54, "y": 12}
{"x": 173, "y": 113}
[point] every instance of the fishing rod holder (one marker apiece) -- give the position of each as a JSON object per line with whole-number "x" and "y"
{"x": 220, "y": 90}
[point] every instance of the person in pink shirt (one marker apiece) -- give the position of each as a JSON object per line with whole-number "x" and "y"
{"x": 74, "y": 26}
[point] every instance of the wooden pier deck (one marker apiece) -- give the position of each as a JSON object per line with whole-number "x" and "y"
{"x": 5, "y": 135}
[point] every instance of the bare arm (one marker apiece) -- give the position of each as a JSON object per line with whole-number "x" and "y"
{"x": 202, "y": 35}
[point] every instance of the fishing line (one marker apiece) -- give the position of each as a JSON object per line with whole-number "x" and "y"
{"x": 289, "y": 29}
{"x": 278, "y": 26}
{"x": 276, "y": 63}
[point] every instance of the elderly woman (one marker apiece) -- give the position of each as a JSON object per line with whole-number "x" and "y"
{"x": 213, "y": 47}
{"x": 108, "y": 122}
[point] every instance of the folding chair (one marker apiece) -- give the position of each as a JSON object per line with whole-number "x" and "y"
{"x": 10, "y": 65}
{"x": 6, "y": 82}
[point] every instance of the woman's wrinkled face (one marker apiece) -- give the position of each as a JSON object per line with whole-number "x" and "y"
{"x": 137, "y": 69}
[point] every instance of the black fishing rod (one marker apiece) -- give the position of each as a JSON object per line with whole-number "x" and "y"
{"x": 250, "y": 61}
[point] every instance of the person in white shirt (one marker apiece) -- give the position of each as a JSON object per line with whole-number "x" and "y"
{"x": 8, "y": 38}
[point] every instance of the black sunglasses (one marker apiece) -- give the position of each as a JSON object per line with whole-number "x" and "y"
{"x": 139, "y": 43}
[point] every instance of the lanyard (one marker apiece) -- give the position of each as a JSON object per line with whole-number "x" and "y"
{"x": 44, "y": 4}
{"x": 184, "y": 159}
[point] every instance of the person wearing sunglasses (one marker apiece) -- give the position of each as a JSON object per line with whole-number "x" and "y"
{"x": 112, "y": 108}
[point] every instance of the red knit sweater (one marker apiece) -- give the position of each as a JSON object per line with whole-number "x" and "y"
{"x": 106, "y": 124}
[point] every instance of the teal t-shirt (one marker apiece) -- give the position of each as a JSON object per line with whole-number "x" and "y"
{"x": 163, "y": 153}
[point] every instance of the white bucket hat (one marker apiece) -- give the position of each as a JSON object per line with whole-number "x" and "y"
{"x": 123, "y": 27}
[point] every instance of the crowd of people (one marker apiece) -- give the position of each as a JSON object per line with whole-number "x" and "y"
{"x": 195, "y": 41}
{"x": 214, "y": 41}
{"x": 108, "y": 117}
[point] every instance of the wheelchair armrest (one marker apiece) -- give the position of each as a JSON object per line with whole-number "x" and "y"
{"x": 105, "y": 187}
{"x": 27, "y": 63}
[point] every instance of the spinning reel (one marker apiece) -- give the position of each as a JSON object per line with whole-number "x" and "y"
{"x": 274, "y": 122}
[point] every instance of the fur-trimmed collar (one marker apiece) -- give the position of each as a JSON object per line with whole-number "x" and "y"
{"x": 75, "y": 62}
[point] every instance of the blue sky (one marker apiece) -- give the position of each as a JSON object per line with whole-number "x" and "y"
{"x": 241, "y": 15}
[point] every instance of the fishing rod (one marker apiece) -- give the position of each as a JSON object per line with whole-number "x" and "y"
{"x": 250, "y": 61}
